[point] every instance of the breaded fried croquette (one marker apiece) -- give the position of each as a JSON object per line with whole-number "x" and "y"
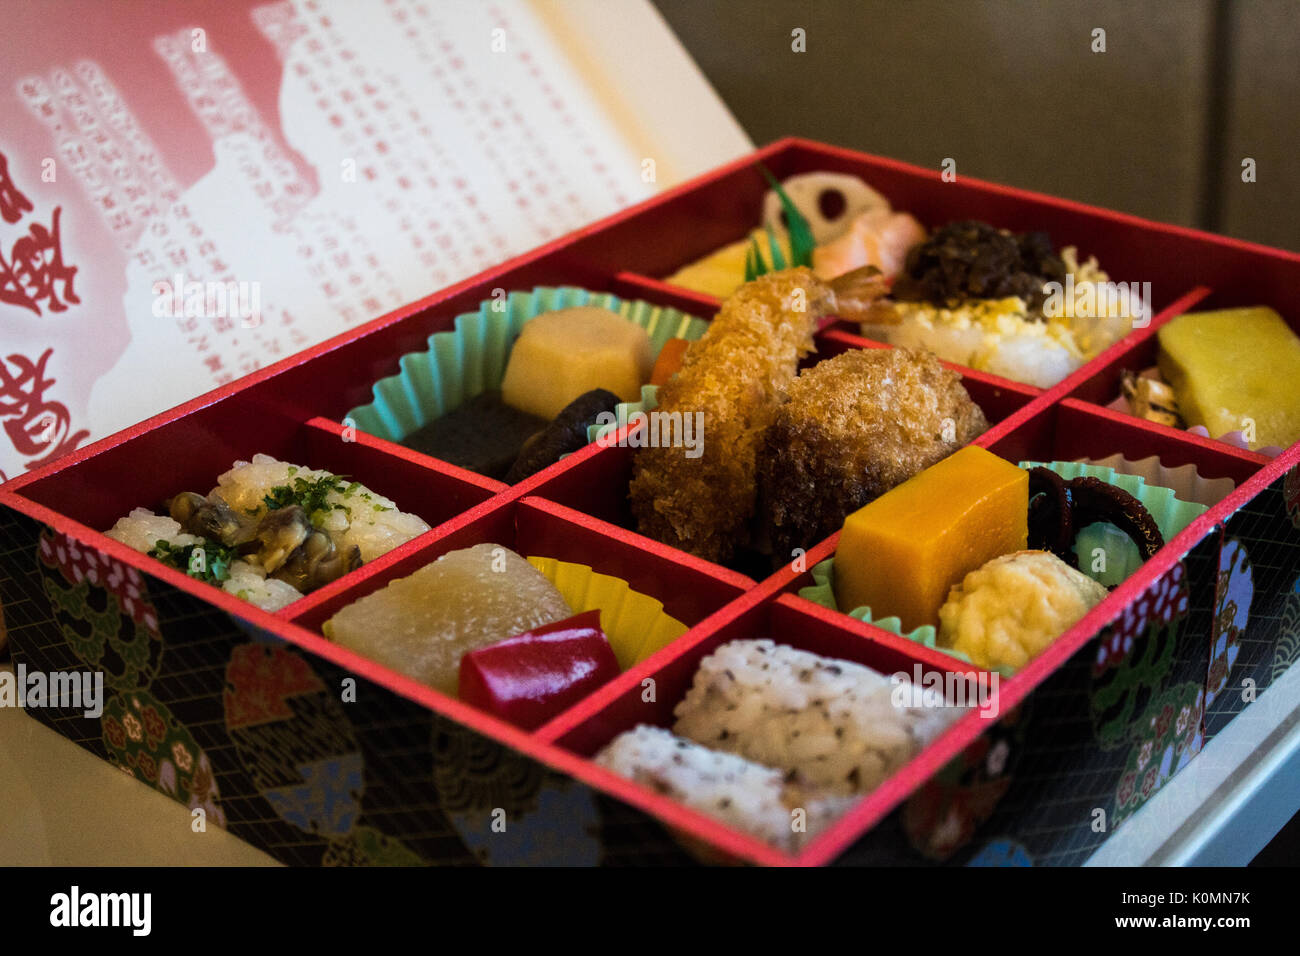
{"x": 855, "y": 426}
{"x": 736, "y": 375}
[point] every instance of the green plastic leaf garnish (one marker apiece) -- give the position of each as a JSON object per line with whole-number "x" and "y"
{"x": 778, "y": 258}
{"x": 802, "y": 242}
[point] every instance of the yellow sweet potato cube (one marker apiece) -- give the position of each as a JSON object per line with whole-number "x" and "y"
{"x": 902, "y": 553}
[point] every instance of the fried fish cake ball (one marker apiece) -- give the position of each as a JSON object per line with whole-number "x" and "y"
{"x": 855, "y": 426}
{"x": 736, "y": 375}
{"x": 701, "y": 505}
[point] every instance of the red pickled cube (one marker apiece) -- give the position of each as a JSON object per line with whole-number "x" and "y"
{"x": 529, "y": 678}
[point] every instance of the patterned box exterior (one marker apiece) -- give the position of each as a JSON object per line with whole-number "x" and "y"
{"x": 221, "y": 716}
{"x": 1061, "y": 771}
{"x": 1257, "y": 601}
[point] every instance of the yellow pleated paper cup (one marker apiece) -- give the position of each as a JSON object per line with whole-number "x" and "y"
{"x": 635, "y": 623}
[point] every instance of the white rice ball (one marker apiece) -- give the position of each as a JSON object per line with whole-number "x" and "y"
{"x": 142, "y": 529}
{"x": 736, "y": 791}
{"x": 833, "y": 724}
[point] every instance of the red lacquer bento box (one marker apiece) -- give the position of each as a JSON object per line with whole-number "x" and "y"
{"x": 241, "y": 712}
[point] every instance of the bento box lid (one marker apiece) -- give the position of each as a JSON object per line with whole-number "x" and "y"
{"x": 191, "y": 193}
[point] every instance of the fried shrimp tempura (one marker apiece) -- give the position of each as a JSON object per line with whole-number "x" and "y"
{"x": 736, "y": 374}
{"x": 855, "y": 426}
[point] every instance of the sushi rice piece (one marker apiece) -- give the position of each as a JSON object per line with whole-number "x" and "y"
{"x": 831, "y": 724}
{"x": 992, "y": 335}
{"x": 250, "y": 583}
{"x": 735, "y": 791}
{"x": 142, "y": 529}
{"x": 767, "y": 729}
{"x": 1003, "y": 337}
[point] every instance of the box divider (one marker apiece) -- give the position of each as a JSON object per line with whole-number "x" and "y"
{"x": 638, "y": 542}
{"x": 604, "y": 466}
{"x": 531, "y": 745}
{"x": 1181, "y": 447}
{"x": 791, "y": 576}
{"x": 307, "y": 611}
{"x": 875, "y": 806}
{"x": 1103, "y": 372}
{"x": 1108, "y": 358}
{"x": 773, "y": 619}
{"x": 328, "y": 429}
{"x": 634, "y": 285}
{"x": 587, "y": 708}
{"x": 916, "y": 653}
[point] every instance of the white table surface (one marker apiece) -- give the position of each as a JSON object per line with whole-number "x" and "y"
{"x": 61, "y": 805}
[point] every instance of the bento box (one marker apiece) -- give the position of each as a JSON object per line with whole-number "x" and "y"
{"x": 261, "y": 724}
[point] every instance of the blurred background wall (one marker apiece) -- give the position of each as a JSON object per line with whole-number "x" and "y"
{"x": 1157, "y": 125}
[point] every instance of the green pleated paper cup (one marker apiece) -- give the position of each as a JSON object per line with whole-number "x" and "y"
{"x": 822, "y": 591}
{"x": 1122, "y": 557}
{"x": 624, "y": 411}
{"x": 471, "y": 357}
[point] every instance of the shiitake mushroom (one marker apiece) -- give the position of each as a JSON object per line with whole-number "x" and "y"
{"x": 184, "y": 506}
{"x": 286, "y": 544}
{"x": 564, "y": 435}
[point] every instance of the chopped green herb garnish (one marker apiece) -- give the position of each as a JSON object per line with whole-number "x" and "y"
{"x": 205, "y": 561}
{"x": 312, "y": 496}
